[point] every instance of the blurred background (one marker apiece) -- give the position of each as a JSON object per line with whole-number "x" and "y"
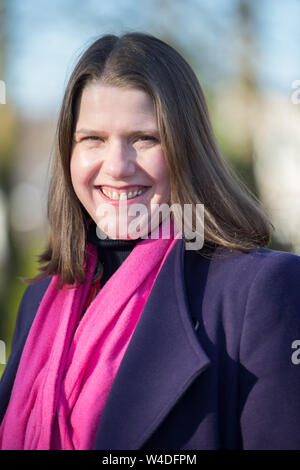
{"x": 246, "y": 55}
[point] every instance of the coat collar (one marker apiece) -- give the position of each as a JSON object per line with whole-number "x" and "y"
{"x": 163, "y": 358}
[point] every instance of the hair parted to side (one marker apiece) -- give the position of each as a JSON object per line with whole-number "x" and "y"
{"x": 198, "y": 172}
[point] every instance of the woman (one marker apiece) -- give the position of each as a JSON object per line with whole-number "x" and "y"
{"x": 126, "y": 339}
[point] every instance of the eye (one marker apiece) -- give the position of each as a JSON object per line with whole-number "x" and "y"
{"x": 91, "y": 137}
{"x": 147, "y": 137}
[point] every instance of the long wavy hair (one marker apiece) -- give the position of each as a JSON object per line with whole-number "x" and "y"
{"x": 199, "y": 174}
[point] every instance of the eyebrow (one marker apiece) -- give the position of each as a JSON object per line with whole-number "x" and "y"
{"x": 137, "y": 132}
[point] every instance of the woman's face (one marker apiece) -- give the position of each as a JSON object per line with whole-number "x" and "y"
{"x": 117, "y": 151}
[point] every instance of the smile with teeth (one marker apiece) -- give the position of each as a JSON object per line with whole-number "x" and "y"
{"x": 122, "y": 194}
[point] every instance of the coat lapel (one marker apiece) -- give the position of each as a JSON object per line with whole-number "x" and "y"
{"x": 163, "y": 358}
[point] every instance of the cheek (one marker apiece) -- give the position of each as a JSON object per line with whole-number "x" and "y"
{"x": 80, "y": 169}
{"x": 154, "y": 163}
{"x": 74, "y": 170}
{"x": 161, "y": 172}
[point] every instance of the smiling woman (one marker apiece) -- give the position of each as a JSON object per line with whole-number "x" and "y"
{"x": 117, "y": 85}
{"x": 138, "y": 342}
{"x": 117, "y": 161}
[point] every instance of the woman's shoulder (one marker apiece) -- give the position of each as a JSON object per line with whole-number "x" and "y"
{"x": 243, "y": 281}
{"x": 263, "y": 285}
{"x": 34, "y": 292}
{"x": 261, "y": 265}
{"x": 236, "y": 266}
{"x": 38, "y": 288}
{"x": 254, "y": 295}
{"x": 258, "y": 257}
{"x": 29, "y": 305}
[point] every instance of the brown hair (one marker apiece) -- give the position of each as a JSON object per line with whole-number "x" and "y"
{"x": 198, "y": 171}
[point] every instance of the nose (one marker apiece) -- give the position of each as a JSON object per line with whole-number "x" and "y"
{"x": 119, "y": 160}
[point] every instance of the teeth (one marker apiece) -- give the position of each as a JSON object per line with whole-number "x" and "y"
{"x": 123, "y": 195}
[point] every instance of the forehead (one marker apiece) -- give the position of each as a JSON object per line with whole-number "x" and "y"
{"x": 115, "y": 105}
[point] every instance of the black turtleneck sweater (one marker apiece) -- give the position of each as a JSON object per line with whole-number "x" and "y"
{"x": 111, "y": 253}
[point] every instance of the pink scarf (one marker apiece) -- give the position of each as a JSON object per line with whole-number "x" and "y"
{"x": 69, "y": 363}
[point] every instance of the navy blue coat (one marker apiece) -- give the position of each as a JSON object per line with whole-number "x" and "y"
{"x": 209, "y": 365}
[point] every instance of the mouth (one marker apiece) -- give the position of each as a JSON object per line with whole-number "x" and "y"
{"x": 129, "y": 193}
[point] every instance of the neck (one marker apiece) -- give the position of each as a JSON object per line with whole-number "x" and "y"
{"x": 110, "y": 243}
